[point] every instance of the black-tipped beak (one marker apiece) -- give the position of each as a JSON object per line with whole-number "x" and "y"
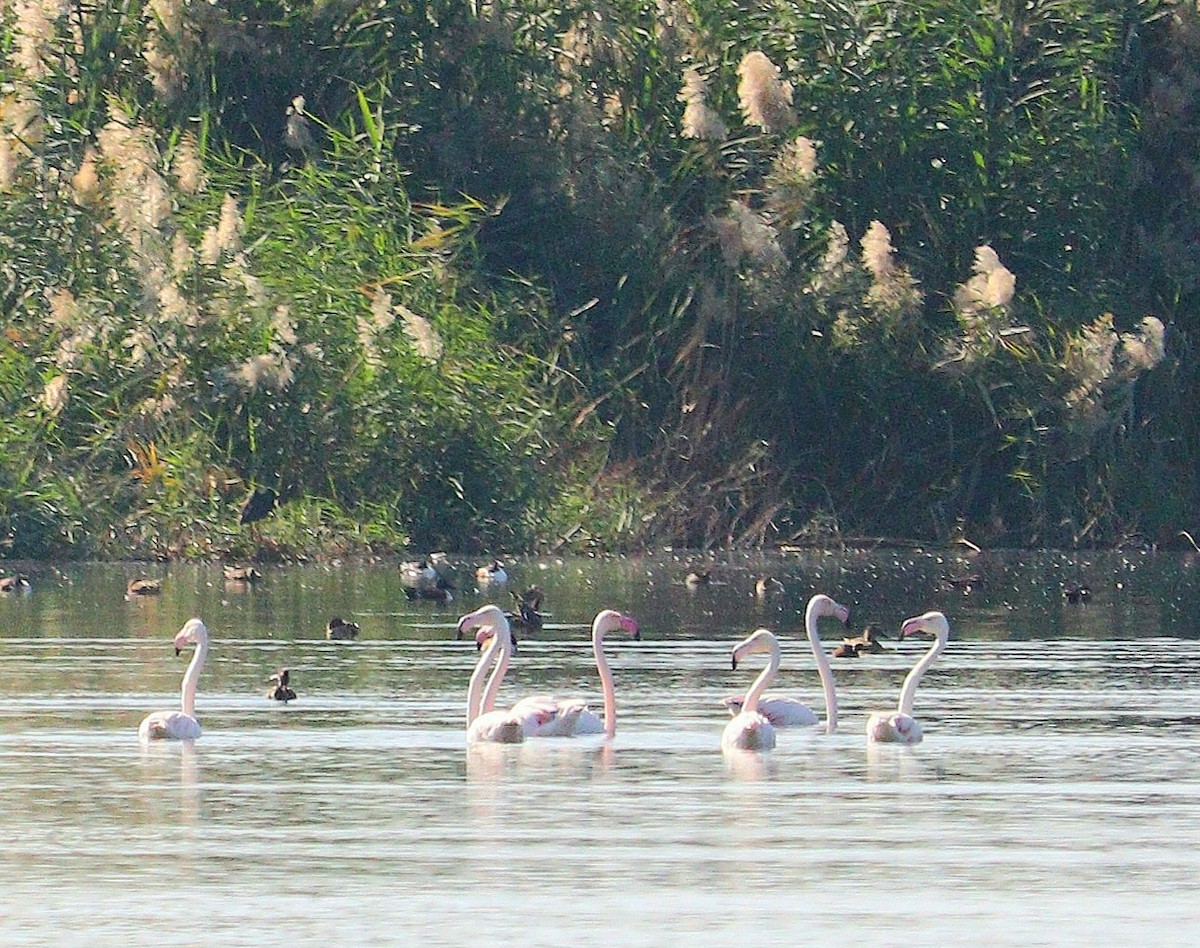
{"x": 733, "y": 663}
{"x": 637, "y": 636}
{"x": 177, "y": 652}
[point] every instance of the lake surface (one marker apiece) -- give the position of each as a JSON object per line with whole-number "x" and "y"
{"x": 1055, "y": 800}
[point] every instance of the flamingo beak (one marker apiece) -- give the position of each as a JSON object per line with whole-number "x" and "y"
{"x": 629, "y": 624}
{"x": 178, "y": 650}
{"x": 733, "y": 662}
{"x": 843, "y": 614}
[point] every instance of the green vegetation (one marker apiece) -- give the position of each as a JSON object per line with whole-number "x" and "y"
{"x": 610, "y": 274}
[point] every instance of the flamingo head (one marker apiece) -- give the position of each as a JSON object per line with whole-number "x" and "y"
{"x": 761, "y": 640}
{"x": 484, "y": 615}
{"x": 193, "y": 633}
{"x": 609, "y": 620}
{"x": 486, "y": 632}
{"x": 822, "y": 605}
{"x": 931, "y": 623}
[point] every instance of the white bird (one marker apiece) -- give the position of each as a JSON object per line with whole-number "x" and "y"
{"x": 789, "y": 712}
{"x": 899, "y": 726}
{"x": 561, "y": 721}
{"x": 498, "y": 727}
{"x": 750, "y": 729}
{"x": 181, "y": 725}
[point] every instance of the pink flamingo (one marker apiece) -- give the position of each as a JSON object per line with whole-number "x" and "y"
{"x": 497, "y": 727}
{"x": 749, "y": 729}
{"x": 560, "y": 719}
{"x": 899, "y": 726}
{"x": 788, "y": 712}
{"x": 181, "y": 725}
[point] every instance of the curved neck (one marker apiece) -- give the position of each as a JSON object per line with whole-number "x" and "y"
{"x": 606, "y": 684}
{"x": 750, "y": 704}
{"x": 909, "y": 691}
{"x": 475, "y": 685}
{"x": 192, "y": 677}
{"x": 504, "y": 647}
{"x": 827, "y": 683}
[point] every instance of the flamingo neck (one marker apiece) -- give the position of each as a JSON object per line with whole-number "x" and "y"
{"x": 765, "y": 677}
{"x": 475, "y": 685}
{"x": 191, "y": 677}
{"x": 827, "y": 682}
{"x": 504, "y": 646}
{"x": 606, "y": 684}
{"x": 909, "y": 690}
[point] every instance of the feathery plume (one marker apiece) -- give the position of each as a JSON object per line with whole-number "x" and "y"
{"x": 699, "y": 121}
{"x": 765, "y": 99}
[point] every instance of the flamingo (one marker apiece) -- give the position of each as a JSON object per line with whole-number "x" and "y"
{"x": 749, "y": 729}
{"x": 181, "y": 725}
{"x": 539, "y": 717}
{"x": 564, "y": 723}
{"x": 788, "y": 712}
{"x": 499, "y": 727}
{"x": 899, "y": 726}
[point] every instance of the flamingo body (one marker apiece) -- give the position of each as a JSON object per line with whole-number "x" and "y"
{"x": 168, "y": 725}
{"x": 894, "y": 728}
{"x": 781, "y": 712}
{"x": 181, "y": 725}
{"x": 749, "y": 731}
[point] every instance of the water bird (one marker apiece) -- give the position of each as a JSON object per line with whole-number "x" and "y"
{"x": 143, "y": 587}
{"x": 899, "y": 726}
{"x": 420, "y": 580}
{"x": 281, "y": 691}
{"x": 182, "y": 724}
{"x": 865, "y": 643}
{"x": 493, "y": 574}
{"x": 749, "y": 729}
{"x": 241, "y": 574}
{"x": 17, "y": 583}
{"x": 697, "y": 578}
{"x": 789, "y": 712}
{"x": 527, "y": 618}
{"x": 259, "y": 505}
{"x": 1076, "y": 593}
{"x": 499, "y": 727}
{"x": 339, "y": 630}
{"x": 562, "y": 721}
{"x": 766, "y": 586}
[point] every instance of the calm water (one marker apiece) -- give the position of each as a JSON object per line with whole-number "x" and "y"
{"x": 1056, "y": 799}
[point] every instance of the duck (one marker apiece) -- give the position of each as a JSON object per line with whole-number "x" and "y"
{"x": 493, "y": 574}
{"x": 143, "y": 587}
{"x": 420, "y": 580}
{"x": 339, "y": 630}
{"x": 527, "y": 618}
{"x": 17, "y": 583}
{"x": 866, "y": 643}
{"x": 766, "y": 586}
{"x": 242, "y": 574}
{"x": 697, "y": 578}
{"x": 280, "y": 691}
{"x": 259, "y": 505}
{"x": 1076, "y": 593}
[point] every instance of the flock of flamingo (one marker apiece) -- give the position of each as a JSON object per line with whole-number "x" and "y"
{"x": 755, "y": 716}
